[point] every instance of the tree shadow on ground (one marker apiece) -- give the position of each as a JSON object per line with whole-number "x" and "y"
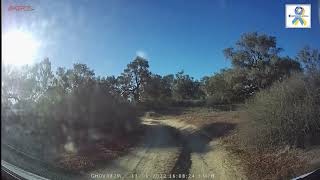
{"x": 218, "y": 129}
{"x": 157, "y": 135}
{"x": 197, "y": 142}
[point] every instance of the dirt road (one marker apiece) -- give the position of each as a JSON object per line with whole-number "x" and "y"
{"x": 155, "y": 156}
{"x": 173, "y": 149}
{"x": 170, "y": 149}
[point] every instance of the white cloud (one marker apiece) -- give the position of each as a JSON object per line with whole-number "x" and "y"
{"x": 142, "y": 54}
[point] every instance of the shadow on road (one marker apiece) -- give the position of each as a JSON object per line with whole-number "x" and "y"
{"x": 197, "y": 142}
{"x": 159, "y": 136}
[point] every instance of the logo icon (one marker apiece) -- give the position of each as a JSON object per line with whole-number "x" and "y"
{"x": 298, "y": 16}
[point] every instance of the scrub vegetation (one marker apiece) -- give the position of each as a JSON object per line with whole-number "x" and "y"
{"x": 64, "y": 113}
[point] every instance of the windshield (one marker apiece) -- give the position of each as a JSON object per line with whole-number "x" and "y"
{"x": 160, "y": 89}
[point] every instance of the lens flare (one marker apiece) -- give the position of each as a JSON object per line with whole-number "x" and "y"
{"x": 19, "y": 48}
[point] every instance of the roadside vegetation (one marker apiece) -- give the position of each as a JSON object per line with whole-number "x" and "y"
{"x": 286, "y": 114}
{"x": 70, "y": 113}
{"x": 279, "y": 136}
{"x": 47, "y": 115}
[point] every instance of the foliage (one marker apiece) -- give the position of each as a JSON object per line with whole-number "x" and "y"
{"x": 158, "y": 88}
{"x": 310, "y": 58}
{"x": 253, "y": 51}
{"x": 185, "y": 87}
{"x": 256, "y": 65}
{"x": 64, "y": 106}
{"x": 56, "y": 109}
{"x": 134, "y": 78}
{"x": 286, "y": 114}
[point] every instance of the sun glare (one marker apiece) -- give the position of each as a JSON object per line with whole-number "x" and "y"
{"x": 19, "y": 48}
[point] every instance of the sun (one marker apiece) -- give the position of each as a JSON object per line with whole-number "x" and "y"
{"x": 19, "y": 48}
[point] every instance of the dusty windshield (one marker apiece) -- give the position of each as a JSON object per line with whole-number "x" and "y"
{"x": 160, "y": 89}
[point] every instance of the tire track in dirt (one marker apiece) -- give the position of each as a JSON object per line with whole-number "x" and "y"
{"x": 152, "y": 159}
{"x": 202, "y": 157}
{"x": 176, "y": 150}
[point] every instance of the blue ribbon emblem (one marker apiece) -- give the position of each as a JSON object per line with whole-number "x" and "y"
{"x": 299, "y": 11}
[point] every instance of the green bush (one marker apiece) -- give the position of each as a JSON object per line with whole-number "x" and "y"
{"x": 42, "y": 113}
{"x": 286, "y": 114}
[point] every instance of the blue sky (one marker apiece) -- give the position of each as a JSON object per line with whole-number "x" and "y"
{"x": 172, "y": 34}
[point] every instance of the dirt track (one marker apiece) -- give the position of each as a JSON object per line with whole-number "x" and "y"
{"x": 173, "y": 149}
{"x": 170, "y": 149}
{"x": 155, "y": 156}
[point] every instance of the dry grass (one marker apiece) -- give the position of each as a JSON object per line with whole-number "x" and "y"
{"x": 285, "y": 114}
{"x": 262, "y": 164}
{"x": 265, "y": 164}
{"x": 201, "y": 116}
{"x": 271, "y": 164}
